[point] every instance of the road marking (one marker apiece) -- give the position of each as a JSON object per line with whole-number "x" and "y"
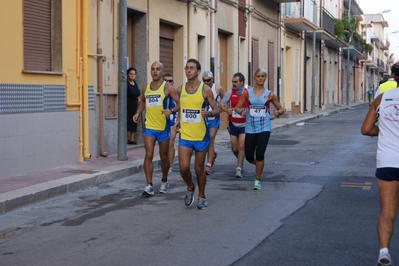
{"x": 364, "y": 186}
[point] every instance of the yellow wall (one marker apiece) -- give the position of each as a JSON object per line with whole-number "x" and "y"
{"x": 11, "y": 51}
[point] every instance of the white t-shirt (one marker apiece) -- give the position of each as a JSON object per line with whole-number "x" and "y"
{"x": 388, "y": 136}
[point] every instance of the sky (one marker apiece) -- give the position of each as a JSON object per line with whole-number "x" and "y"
{"x": 376, "y": 6}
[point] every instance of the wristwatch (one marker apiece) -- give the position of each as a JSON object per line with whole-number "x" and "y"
{"x": 173, "y": 111}
{"x": 210, "y": 113}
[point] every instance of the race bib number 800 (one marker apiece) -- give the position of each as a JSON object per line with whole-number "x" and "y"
{"x": 153, "y": 100}
{"x": 191, "y": 115}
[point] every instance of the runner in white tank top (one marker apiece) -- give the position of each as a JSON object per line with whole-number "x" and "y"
{"x": 385, "y": 109}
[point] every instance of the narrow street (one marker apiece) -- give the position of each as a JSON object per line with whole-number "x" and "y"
{"x": 318, "y": 206}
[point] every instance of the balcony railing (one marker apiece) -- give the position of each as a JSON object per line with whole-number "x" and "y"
{"x": 305, "y": 9}
{"x": 326, "y": 21}
{"x": 309, "y": 8}
{"x": 301, "y": 15}
{"x": 381, "y": 64}
{"x": 371, "y": 62}
{"x": 359, "y": 46}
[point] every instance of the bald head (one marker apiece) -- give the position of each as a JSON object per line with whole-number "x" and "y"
{"x": 156, "y": 71}
{"x": 157, "y": 64}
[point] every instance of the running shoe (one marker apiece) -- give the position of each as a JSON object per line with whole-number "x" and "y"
{"x": 208, "y": 169}
{"x": 238, "y": 173}
{"x": 384, "y": 259}
{"x": 164, "y": 187}
{"x": 202, "y": 204}
{"x": 257, "y": 185}
{"x": 214, "y": 158}
{"x": 189, "y": 198}
{"x": 170, "y": 170}
{"x": 148, "y": 190}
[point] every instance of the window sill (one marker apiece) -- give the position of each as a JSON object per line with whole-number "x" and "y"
{"x": 42, "y": 72}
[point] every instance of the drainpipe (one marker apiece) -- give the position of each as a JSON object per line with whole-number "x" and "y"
{"x": 365, "y": 80}
{"x": 122, "y": 100}
{"x": 354, "y": 79}
{"x": 249, "y": 25}
{"x": 279, "y": 53}
{"x": 86, "y": 154}
{"x": 347, "y": 64}
{"x": 78, "y": 77}
{"x": 213, "y": 36}
{"x": 312, "y": 99}
{"x": 100, "y": 81}
{"x": 305, "y": 73}
{"x": 320, "y": 68}
{"x": 188, "y": 33}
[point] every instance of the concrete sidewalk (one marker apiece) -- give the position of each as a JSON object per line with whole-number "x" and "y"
{"x": 19, "y": 191}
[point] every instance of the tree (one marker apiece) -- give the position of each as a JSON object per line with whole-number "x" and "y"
{"x": 350, "y": 25}
{"x": 346, "y": 29}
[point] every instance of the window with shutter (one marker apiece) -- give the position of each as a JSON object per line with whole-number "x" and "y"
{"x": 42, "y": 33}
{"x": 166, "y": 39}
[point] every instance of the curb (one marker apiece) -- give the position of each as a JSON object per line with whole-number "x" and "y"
{"x": 25, "y": 196}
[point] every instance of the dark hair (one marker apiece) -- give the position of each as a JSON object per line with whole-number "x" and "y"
{"x": 384, "y": 79}
{"x": 240, "y": 76}
{"x": 167, "y": 75}
{"x": 196, "y": 62}
{"x": 395, "y": 69}
{"x": 130, "y": 69}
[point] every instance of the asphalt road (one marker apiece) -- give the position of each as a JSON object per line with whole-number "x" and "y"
{"x": 318, "y": 206}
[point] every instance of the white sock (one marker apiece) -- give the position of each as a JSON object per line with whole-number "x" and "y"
{"x": 238, "y": 168}
{"x": 208, "y": 164}
{"x": 384, "y": 250}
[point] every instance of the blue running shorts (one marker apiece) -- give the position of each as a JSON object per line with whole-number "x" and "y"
{"x": 198, "y": 146}
{"x": 158, "y": 135}
{"x": 235, "y": 131}
{"x": 387, "y": 173}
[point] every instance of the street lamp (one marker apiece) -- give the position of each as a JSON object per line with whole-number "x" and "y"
{"x": 347, "y": 62}
{"x": 389, "y": 51}
{"x": 391, "y": 33}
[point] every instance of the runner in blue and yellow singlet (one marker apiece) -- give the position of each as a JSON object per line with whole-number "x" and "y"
{"x": 213, "y": 122}
{"x": 172, "y": 120}
{"x": 156, "y": 126}
{"x": 194, "y": 132}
